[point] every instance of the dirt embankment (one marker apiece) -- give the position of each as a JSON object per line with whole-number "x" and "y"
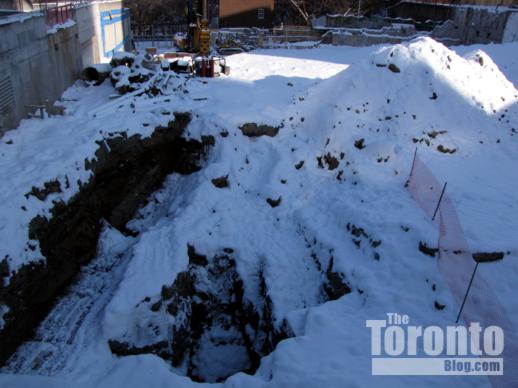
{"x": 126, "y": 171}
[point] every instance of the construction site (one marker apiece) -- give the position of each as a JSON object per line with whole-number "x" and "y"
{"x": 62, "y": 39}
{"x": 258, "y": 193}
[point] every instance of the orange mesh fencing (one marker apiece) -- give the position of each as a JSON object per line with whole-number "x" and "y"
{"x": 457, "y": 266}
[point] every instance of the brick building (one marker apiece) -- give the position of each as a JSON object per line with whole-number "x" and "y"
{"x": 246, "y": 13}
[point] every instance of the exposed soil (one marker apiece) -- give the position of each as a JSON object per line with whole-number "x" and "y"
{"x": 214, "y": 331}
{"x": 425, "y": 249}
{"x": 393, "y": 68}
{"x": 205, "y": 325}
{"x": 221, "y": 182}
{"x": 125, "y": 172}
{"x": 254, "y": 130}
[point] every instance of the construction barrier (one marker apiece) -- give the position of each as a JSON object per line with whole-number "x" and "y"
{"x": 457, "y": 266}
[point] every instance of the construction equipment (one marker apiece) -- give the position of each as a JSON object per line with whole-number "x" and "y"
{"x": 204, "y": 37}
{"x": 198, "y": 40}
{"x": 210, "y": 66}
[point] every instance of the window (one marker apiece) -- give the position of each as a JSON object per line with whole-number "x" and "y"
{"x": 260, "y": 13}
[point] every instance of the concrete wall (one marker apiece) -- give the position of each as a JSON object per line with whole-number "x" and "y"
{"x": 452, "y": 25}
{"x": 468, "y": 25}
{"x": 115, "y": 28}
{"x": 367, "y": 37}
{"x": 38, "y": 64}
{"x": 361, "y": 39}
{"x": 104, "y": 28}
{"x": 511, "y": 29}
{"x": 20, "y": 5}
{"x": 88, "y": 26}
{"x": 478, "y": 26}
{"x": 341, "y": 21}
{"x": 421, "y": 12}
{"x": 34, "y": 66}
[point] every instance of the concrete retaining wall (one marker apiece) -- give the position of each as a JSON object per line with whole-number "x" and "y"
{"x": 511, "y": 29}
{"x": 104, "y": 28}
{"x": 479, "y": 26}
{"x": 20, "y": 5}
{"x": 340, "y": 21}
{"x": 468, "y": 25}
{"x": 369, "y": 37}
{"x": 34, "y": 66}
{"x": 463, "y": 25}
{"x": 89, "y": 33}
{"x": 38, "y": 65}
{"x": 421, "y": 11}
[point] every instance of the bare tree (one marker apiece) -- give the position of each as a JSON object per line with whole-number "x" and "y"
{"x": 300, "y": 6}
{"x": 157, "y": 11}
{"x": 333, "y": 6}
{"x": 308, "y": 8}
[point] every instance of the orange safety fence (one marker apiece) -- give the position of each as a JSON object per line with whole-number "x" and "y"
{"x": 458, "y": 268}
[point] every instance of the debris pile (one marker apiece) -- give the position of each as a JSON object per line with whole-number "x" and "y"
{"x": 129, "y": 72}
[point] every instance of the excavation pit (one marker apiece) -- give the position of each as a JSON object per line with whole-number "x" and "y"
{"x": 125, "y": 171}
{"x": 210, "y": 323}
{"x": 212, "y": 330}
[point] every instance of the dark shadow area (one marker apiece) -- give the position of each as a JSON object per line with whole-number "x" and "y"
{"x": 218, "y": 329}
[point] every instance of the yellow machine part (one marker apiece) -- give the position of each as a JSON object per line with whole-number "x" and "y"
{"x": 204, "y": 38}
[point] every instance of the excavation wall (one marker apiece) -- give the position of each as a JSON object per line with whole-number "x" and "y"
{"x": 125, "y": 172}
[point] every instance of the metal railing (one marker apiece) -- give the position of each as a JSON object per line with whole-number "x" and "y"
{"x": 58, "y": 12}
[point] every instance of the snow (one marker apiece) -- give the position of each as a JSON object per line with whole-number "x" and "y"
{"x": 324, "y": 99}
{"x": 60, "y": 26}
{"x": 501, "y": 55}
{"x": 120, "y": 55}
{"x": 3, "y": 310}
{"x": 19, "y": 17}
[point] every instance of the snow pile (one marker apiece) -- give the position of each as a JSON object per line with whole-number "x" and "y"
{"x": 421, "y": 94}
{"x": 60, "y": 26}
{"x": 324, "y": 196}
{"x": 130, "y": 72}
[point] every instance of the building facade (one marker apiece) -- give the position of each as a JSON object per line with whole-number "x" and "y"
{"x": 246, "y": 13}
{"x": 19, "y": 5}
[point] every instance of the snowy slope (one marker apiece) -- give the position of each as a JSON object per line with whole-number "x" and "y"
{"x": 501, "y": 54}
{"x": 395, "y": 98}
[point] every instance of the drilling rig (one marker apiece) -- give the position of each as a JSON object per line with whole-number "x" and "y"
{"x": 198, "y": 40}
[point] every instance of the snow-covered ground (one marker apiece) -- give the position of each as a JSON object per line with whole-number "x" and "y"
{"x": 324, "y": 100}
